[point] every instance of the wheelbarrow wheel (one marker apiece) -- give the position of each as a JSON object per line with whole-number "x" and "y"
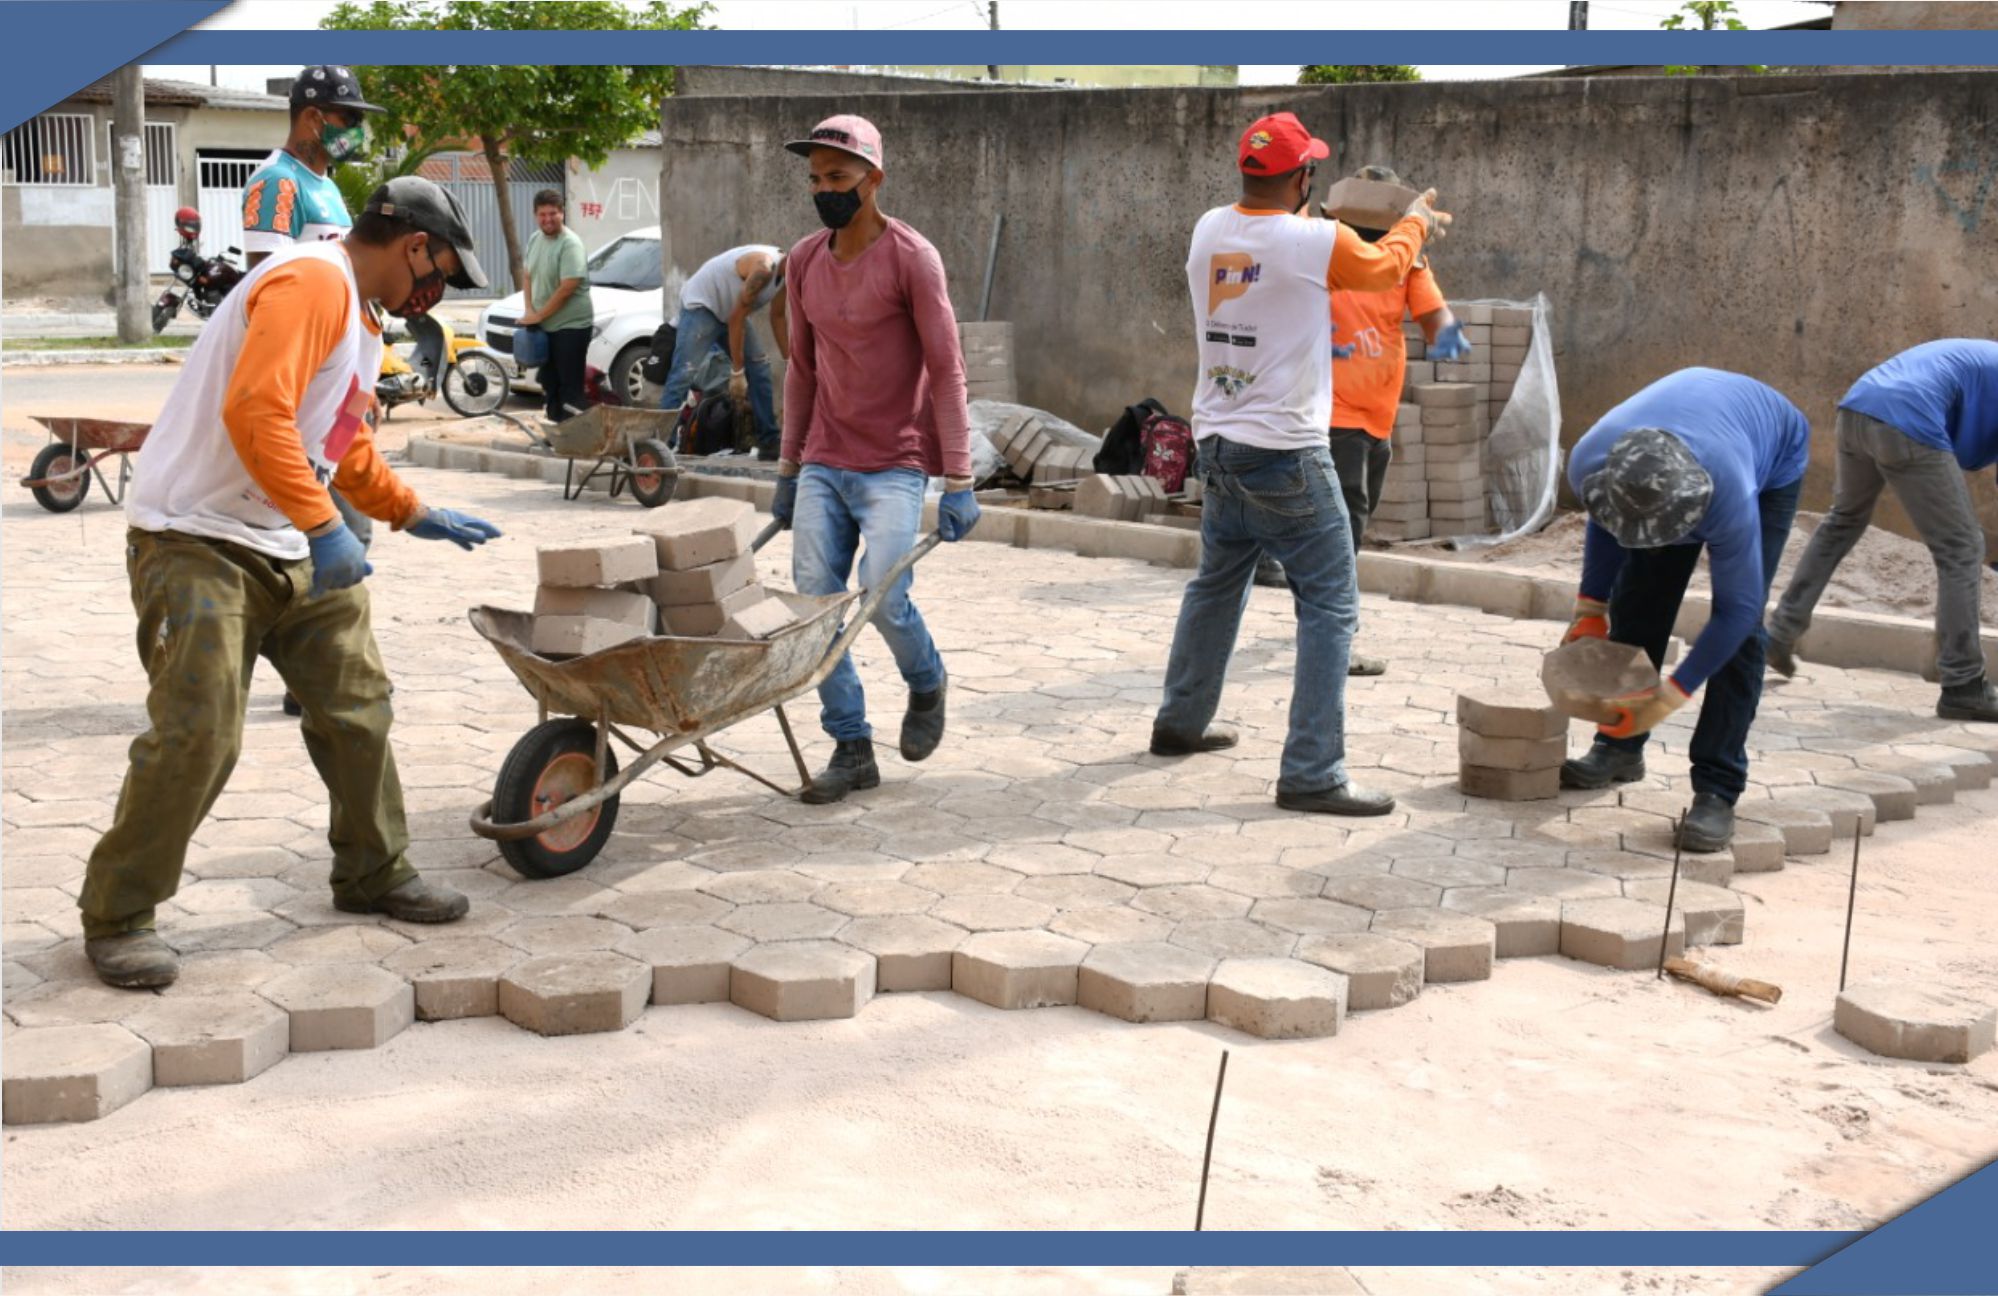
{"x": 652, "y": 481}
{"x": 57, "y": 458}
{"x": 552, "y": 764}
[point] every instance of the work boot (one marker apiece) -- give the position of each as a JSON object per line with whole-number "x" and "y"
{"x": 1269, "y": 573}
{"x": 1709, "y": 825}
{"x": 1361, "y": 664}
{"x": 415, "y": 901}
{"x": 923, "y": 724}
{"x": 1782, "y": 657}
{"x": 1602, "y": 766}
{"x": 1977, "y": 700}
{"x": 1342, "y": 799}
{"x": 136, "y": 960}
{"x": 1167, "y": 743}
{"x": 852, "y": 769}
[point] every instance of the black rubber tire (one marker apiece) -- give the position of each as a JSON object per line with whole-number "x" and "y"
{"x": 163, "y": 315}
{"x": 650, "y": 451}
{"x": 513, "y": 798}
{"x": 627, "y": 377}
{"x": 483, "y": 372}
{"x": 62, "y": 497}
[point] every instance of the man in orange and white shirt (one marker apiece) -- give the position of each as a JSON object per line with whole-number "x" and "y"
{"x": 235, "y": 550}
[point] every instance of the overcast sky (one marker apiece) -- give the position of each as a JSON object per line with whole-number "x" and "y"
{"x": 1130, "y": 15}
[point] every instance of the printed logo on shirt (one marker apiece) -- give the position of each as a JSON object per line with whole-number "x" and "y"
{"x": 1230, "y": 275}
{"x": 253, "y": 203}
{"x": 1229, "y": 379}
{"x": 1226, "y": 338}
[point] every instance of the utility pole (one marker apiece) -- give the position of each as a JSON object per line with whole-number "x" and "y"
{"x": 992, "y": 23}
{"x": 1578, "y": 15}
{"x": 128, "y": 186}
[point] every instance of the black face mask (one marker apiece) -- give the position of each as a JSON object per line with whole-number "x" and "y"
{"x": 837, "y": 208}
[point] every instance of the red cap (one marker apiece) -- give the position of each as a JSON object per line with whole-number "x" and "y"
{"x": 1276, "y": 144}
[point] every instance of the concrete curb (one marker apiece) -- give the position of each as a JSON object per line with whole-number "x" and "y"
{"x": 1836, "y": 638}
{"x": 46, "y": 359}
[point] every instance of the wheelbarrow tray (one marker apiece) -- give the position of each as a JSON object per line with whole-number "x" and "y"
{"x": 108, "y": 435}
{"x": 607, "y": 431}
{"x": 668, "y": 684}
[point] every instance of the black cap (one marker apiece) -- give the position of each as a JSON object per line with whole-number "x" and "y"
{"x": 327, "y": 85}
{"x": 425, "y": 206}
{"x": 1650, "y": 491}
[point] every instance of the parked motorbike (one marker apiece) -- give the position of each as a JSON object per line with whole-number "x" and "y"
{"x": 469, "y": 376}
{"x": 202, "y": 282}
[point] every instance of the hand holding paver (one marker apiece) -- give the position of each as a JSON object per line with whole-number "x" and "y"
{"x": 1425, "y": 207}
{"x": 1644, "y": 710}
{"x": 461, "y": 529}
{"x": 1591, "y": 620}
{"x": 957, "y": 513}
{"x": 339, "y": 559}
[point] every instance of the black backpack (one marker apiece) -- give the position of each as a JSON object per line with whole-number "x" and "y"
{"x": 1123, "y": 450}
{"x": 714, "y": 425}
{"x": 659, "y": 359}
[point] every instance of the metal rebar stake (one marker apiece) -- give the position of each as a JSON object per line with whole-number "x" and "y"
{"x": 1851, "y": 899}
{"x": 1207, "y": 1159}
{"x": 1672, "y": 891}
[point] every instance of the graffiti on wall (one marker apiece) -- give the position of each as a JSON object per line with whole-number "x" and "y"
{"x": 1964, "y": 187}
{"x": 626, "y": 200}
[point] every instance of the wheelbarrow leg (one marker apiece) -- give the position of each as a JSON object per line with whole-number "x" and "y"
{"x": 791, "y": 741}
{"x": 569, "y": 488}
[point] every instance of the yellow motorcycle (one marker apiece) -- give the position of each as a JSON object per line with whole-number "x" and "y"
{"x": 468, "y": 375}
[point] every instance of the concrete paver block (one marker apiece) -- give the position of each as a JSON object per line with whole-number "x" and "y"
{"x": 72, "y": 1073}
{"x": 1523, "y": 754}
{"x": 648, "y": 909}
{"x": 575, "y": 636}
{"x": 1578, "y": 677}
{"x": 875, "y": 899}
{"x": 1522, "y": 925}
{"x": 1233, "y": 938}
{"x": 759, "y": 621}
{"x": 1619, "y": 933}
{"x": 1972, "y": 768}
{"x": 1310, "y": 916}
{"x": 1562, "y": 883}
{"x": 1111, "y": 925}
{"x": 689, "y": 964}
{"x": 1265, "y": 1280}
{"x": 358, "y": 942}
{"x": 1934, "y": 784}
{"x": 911, "y": 951}
{"x": 783, "y": 922}
{"x": 705, "y": 620}
{"x": 566, "y": 934}
{"x": 1893, "y": 797}
{"x": 1805, "y": 830}
{"x": 621, "y": 605}
{"x": 709, "y": 584}
{"x": 456, "y": 976}
{"x": 992, "y": 911}
{"x": 1455, "y": 946}
{"x": 1017, "y": 969}
{"x": 213, "y": 1039}
{"x": 1759, "y": 847}
{"x": 1145, "y": 982}
{"x": 1497, "y": 713}
{"x": 575, "y": 994}
{"x": 342, "y": 1005}
{"x": 806, "y": 980}
{"x": 1380, "y": 971}
{"x": 1509, "y": 785}
{"x": 698, "y": 532}
{"x": 63, "y": 1002}
{"x": 1713, "y": 914}
{"x": 1277, "y": 998}
{"x": 1381, "y": 891}
{"x": 1918, "y": 1022}
{"x": 1850, "y": 812}
{"x": 610, "y": 561}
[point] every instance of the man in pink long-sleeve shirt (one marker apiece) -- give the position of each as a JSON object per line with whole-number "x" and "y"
{"x": 874, "y": 407}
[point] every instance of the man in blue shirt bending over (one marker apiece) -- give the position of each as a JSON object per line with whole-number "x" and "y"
{"x": 1916, "y": 423}
{"x": 1698, "y": 458}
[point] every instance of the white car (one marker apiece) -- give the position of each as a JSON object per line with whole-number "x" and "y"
{"x": 625, "y": 280}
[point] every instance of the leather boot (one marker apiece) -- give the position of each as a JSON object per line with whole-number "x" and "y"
{"x": 1782, "y": 658}
{"x": 852, "y": 769}
{"x": 137, "y": 960}
{"x": 1601, "y": 766}
{"x": 923, "y": 724}
{"x": 1977, "y": 700}
{"x": 1167, "y": 743}
{"x": 1709, "y": 825}
{"x": 1346, "y": 799}
{"x": 415, "y": 901}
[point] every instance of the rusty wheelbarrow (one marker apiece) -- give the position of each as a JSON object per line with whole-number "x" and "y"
{"x": 555, "y": 801}
{"x": 628, "y": 444}
{"x": 77, "y": 448}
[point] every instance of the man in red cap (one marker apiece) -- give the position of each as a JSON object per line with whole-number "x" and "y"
{"x": 874, "y": 406}
{"x": 1261, "y": 273}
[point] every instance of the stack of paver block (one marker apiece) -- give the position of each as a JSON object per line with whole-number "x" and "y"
{"x": 1402, "y": 512}
{"x": 1512, "y": 333}
{"x": 705, "y": 583}
{"x": 988, "y": 361}
{"x": 1509, "y": 752}
{"x": 1455, "y": 424}
{"x": 1062, "y": 464}
{"x": 587, "y": 602}
{"x": 1120, "y": 499}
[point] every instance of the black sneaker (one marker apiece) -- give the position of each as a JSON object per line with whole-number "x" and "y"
{"x": 1167, "y": 743}
{"x": 1977, "y": 700}
{"x": 1346, "y": 799}
{"x": 923, "y": 724}
{"x": 1709, "y": 825}
{"x": 1601, "y": 766}
{"x": 852, "y": 769}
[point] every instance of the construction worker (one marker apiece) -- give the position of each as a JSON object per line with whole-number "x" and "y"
{"x": 716, "y": 305}
{"x": 874, "y": 406}
{"x": 1699, "y": 459}
{"x": 1261, "y": 273}
{"x": 235, "y": 550}
{"x": 1916, "y": 423}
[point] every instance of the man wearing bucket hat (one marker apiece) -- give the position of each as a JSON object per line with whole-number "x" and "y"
{"x": 874, "y": 406}
{"x": 1699, "y": 459}
{"x": 235, "y": 550}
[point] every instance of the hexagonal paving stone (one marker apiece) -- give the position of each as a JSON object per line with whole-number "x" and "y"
{"x": 959, "y": 878}
{"x": 676, "y": 908}
{"x": 1893, "y": 797}
{"x": 1119, "y": 924}
{"x": 341, "y": 1005}
{"x": 689, "y": 964}
{"x": 1756, "y": 847}
{"x": 455, "y": 977}
{"x": 1523, "y": 925}
{"x": 1266, "y": 881}
{"x": 1934, "y": 784}
{"x": 568, "y": 934}
{"x": 226, "y": 972}
{"x": 1562, "y": 883}
{"x": 783, "y": 922}
{"x": 1277, "y": 998}
{"x": 1041, "y": 860}
{"x": 75, "y": 1003}
{"x": 556, "y": 897}
{"x": 16, "y": 977}
{"x": 876, "y": 899}
{"x": 1805, "y": 830}
{"x": 1447, "y": 871}
{"x": 1145, "y": 982}
{"x": 1971, "y": 769}
{"x": 987, "y": 911}
{"x": 230, "y": 929}
{"x": 1152, "y": 870}
{"x": 1076, "y": 891}
{"x": 1713, "y": 867}
{"x": 807, "y": 980}
{"x": 72, "y": 1073}
{"x": 1192, "y": 902}
{"x": 911, "y": 951}
{"x": 1233, "y": 938}
{"x": 213, "y": 1039}
{"x": 575, "y": 994}
{"x": 1849, "y": 811}
{"x": 360, "y": 943}
{"x": 1380, "y": 971}
{"x": 1620, "y": 864}
{"x": 1311, "y": 917}
{"x": 1713, "y": 914}
{"x": 1382, "y": 891}
{"x": 1455, "y": 946}
{"x": 763, "y": 886}
{"x": 1918, "y": 1022}
{"x": 1619, "y": 933}
{"x": 1017, "y": 969}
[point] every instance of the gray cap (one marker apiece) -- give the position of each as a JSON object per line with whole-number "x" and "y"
{"x": 430, "y": 208}
{"x": 1650, "y": 492}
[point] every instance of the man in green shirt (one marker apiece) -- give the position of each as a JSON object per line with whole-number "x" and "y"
{"x": 558, "y": 303}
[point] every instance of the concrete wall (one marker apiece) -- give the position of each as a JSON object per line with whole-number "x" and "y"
{"x": 1797, "y": 228}
{"x": 697, "y": 81}
{"x": 1925, "y": 15}
{"x": 620, "y": 196}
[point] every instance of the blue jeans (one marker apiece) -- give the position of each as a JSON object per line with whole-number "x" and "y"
{"x": 1644, "y": 603}
{"x": 836, "y": 510}
{"x": 701, "y": 331}
{"x": 1285, "y": 502}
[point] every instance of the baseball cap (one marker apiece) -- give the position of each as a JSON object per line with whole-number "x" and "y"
{"x": 328, "y": 85}
{"x": 1649, "y": 492}
{"x": 424, "y": 205}
{"x": 1277, "y": 144}
{"x": 847, "y": 133}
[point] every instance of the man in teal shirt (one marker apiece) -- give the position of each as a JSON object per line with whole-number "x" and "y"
{"x": 558, "y": 303}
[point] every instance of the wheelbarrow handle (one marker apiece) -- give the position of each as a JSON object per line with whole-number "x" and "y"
{"x": 870, "y": 603}
{"x": 765, "y": 536}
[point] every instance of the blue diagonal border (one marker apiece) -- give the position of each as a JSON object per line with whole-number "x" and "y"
{"x": 1939, "y": 1247}
{"x": 56, "y": 47}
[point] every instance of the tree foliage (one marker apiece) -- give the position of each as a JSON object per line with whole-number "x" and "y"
{"x": 1703, "y": 15}
{"x": 1354, "y": 74}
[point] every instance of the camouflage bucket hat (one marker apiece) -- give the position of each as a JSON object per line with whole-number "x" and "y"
{"x": 1650, "y": 492}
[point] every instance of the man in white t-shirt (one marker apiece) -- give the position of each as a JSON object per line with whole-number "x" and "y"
{"x": 1261, "y": 278}
{"x": 715, "y": 307}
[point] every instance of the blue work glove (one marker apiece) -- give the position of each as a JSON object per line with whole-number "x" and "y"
{"x": 785, "y": 503}
{"x": 1342, "y": 352}
{"x": 1450, "y": 343}
{"x": 957, "y": 513}
{"x": 339, "y": 560}
{"x": 461, "y": 529}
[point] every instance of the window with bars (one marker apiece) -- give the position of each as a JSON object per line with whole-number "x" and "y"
{"x": 52, "y": 149}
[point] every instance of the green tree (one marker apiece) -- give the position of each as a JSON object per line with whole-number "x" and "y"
{"x": 536, "y": 114}
{"x": 360, "y": 177}
{"x": 1710, "y": 15}
{"x": 1351, "y": 74}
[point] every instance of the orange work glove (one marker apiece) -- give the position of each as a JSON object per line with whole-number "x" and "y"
{"x": 1645, "y": 709}
{"x": 1591, "y": 620}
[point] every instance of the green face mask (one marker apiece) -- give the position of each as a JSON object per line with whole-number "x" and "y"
{"x": 342, "y": 142}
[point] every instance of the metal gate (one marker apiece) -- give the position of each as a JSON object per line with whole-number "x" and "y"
{"x": 220, "y": 200}
{"x": 464, "y": 175}
{"x": 162, "y": 162}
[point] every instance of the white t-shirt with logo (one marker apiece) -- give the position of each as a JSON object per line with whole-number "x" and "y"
{"x": 1262, "y": 316}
